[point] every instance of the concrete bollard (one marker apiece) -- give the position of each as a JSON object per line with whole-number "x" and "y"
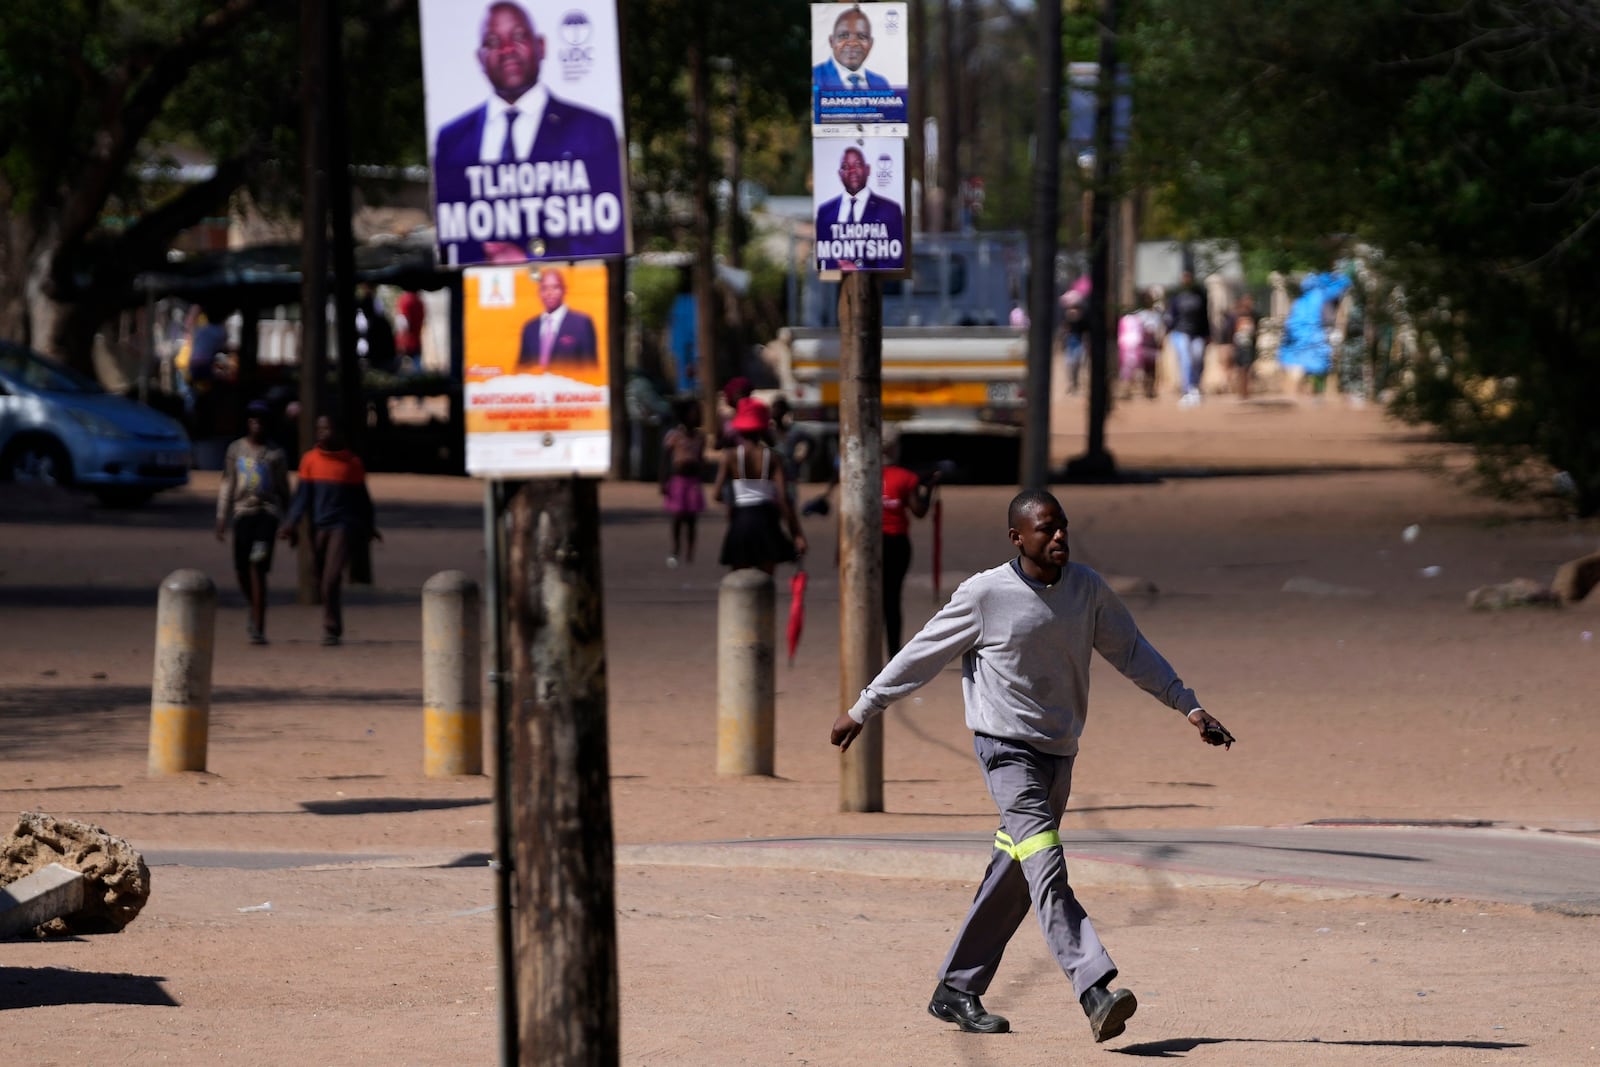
{"x": 452, "y": 677}
{"x": 180, "y": 694}
{"x": 746, "y": 664}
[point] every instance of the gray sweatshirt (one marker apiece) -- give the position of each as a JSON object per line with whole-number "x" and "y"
{"x": 1024, "y": 653}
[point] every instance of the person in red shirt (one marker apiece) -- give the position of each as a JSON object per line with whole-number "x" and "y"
{"x": 904, "y": 495}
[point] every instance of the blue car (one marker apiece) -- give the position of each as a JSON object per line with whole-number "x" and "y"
{"x": 58, "y": 427}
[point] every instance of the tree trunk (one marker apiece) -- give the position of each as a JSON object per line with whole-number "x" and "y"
{"x": 705, "y": 227}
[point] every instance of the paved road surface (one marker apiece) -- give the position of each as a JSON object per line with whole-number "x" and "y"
{"x": 1549, "y": 871}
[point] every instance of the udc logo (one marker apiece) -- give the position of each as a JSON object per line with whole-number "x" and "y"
{"x": 576, "y": 29}
{"x": 891, "y": 21}
{"x": 576, "y": 52}
{"x": 885, "y": 171}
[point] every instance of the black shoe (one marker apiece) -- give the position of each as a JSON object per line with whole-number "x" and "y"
{"x": 330, "y": 639}
{"x": 1108, "y": 1010}
{"x": 966, "y": 1011}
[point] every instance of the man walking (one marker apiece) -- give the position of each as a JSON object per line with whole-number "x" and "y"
{"x": 251, "y": 498}
{"x": 1025, "y": 630}
{"x": 333, "y": 491}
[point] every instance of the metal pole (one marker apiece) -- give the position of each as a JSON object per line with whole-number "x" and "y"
{"x": 180, "y": 692}
{"x": 746, "y": 673}
{"x": 452, "y": 679}
{"x": 1097, "y": 464}
{"x": 504, "y": 872}
{"x": 565, "y": 909}
{"x": 861, "y": 528}
{"x": 1042, "y": 273}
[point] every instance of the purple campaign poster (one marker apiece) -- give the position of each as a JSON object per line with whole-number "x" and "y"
{"x": 524, "y": 112}
{"x": 859, "y": 185}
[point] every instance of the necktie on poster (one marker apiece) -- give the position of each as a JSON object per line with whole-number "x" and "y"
{"x": 508, "y": 148}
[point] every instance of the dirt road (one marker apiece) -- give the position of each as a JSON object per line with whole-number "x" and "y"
{"x": 1373, "y": 695}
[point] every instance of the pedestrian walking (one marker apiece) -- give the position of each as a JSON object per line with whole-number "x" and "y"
{"x": 332, "y": 492}
{"x": 682, "y": 493}
{"x": 758, "y": 498}
{"x": 1025, "y": 630}
{"x": 251, "y": 498}
{"x": 905, "y": 494}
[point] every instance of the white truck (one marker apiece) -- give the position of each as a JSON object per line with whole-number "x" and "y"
{"x": 954, "y": 365}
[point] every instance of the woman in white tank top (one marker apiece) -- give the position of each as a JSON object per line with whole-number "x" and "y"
{"x": 757, "y": 500}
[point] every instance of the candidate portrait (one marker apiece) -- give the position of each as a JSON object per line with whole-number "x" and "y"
{"x": 859, "y": 230}
{"x": 851, "y": 43}
{"x": 557, "y": 336}
{"x": 570, "y": 199}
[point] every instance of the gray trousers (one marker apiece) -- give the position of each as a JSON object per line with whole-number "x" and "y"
{"x": 1027, "y": 870}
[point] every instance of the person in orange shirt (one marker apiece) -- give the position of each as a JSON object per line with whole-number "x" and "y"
{"x": 332, "y": 492}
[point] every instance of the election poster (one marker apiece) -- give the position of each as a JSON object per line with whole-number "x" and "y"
{"x": 537, "y": 396}
{"x": 524, "y": 115}
{"x": 858, "y": 188}
{"x": 860, "y": 76}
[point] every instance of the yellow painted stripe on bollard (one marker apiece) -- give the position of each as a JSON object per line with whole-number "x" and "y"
{"x": 452, "y": 742}
{"x": 177, "y": 739}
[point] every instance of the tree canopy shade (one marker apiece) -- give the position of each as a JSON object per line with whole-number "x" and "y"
{"x": 1461, "y": 138}
{"x": 759, "y": 54}
{"x": 96, "y": 98}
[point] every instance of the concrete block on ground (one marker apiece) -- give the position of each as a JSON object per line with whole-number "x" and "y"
{"x": 49, "y": 893}
{"x": 117, "y": 881}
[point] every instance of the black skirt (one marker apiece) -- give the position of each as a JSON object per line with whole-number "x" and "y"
{"x": 755, "y": 538}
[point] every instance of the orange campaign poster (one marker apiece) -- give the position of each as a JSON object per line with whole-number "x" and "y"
{"x": 537, "y": 395}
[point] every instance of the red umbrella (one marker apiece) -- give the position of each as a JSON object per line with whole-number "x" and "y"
{"x": 938, "y": 540}
{"x": 797, "y": 610}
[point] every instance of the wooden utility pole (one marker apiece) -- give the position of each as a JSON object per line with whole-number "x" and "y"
{"x": 565, "y": 886}
{"x": 1097, "y": 464}
{"x": 313, "y": 250}
{"x": 1042, "y": 254}
{"x": 861, "y": 528}
{"x": 352, "y": 401}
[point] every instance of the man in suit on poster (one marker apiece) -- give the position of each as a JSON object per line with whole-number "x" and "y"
{"x": 560, "y": 337}
{"x": 859, "y": 229}
{"x": 523, "y": 122}
{"x": 851, "y": 42}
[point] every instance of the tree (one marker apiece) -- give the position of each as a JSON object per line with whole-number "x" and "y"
{"x": 1458, "y": 137}
{"x": 95, "y": 97}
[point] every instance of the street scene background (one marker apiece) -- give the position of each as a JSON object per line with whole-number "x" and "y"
{"x": 316, "y": 899}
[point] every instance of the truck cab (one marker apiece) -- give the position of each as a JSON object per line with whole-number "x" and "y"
{"x": 954, "y": 358}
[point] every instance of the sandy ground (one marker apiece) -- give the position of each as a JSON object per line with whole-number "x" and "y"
{"x": 1380, "y": 697}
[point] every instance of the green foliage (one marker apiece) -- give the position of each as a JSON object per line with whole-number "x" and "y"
{"x": 652, "y": 290}
{"x": 100, "y": 100}
{"x": 759, "y": 58}
{"x": 1460, "y": 137}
